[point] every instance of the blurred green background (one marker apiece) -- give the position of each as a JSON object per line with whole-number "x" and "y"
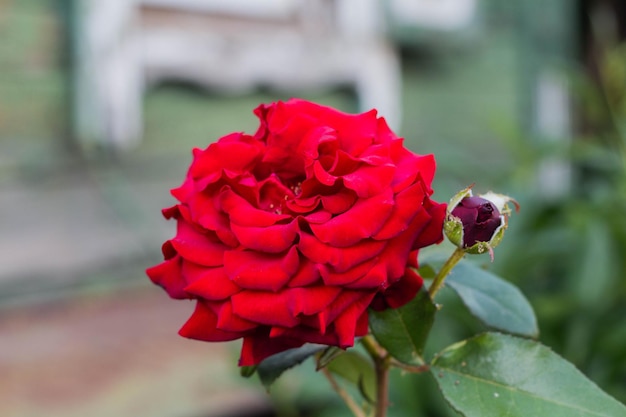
{"x": 78, "y": 228}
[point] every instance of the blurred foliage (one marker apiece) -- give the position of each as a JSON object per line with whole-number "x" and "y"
{"x": 567, "y": 253}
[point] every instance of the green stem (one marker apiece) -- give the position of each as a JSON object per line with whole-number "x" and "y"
{"x": 381, "y": 363}
{"x": 352, "y": 405}
{"x": 371, "y": 345}
{"x": 456, "y": 256}
{"x": 415, "y": 369}
{"x": 382, "y": 386}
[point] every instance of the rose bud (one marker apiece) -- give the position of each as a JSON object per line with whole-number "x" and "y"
{"x": 480, "y": 219}
{"x": 477, "y": 223}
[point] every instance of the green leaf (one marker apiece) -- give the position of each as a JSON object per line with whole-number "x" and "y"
{"x": 330, "y": 353}
{"x": 355, "y": 368}
{"x": 403, "y": 331}
{"x": 494, "y": 375}
{"x": 427, "y": 271}
{"x": 271, "y": 368}
{"x": 497, "y": 303}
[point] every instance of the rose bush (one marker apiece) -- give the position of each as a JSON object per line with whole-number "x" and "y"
{"x": 289, "y": 235}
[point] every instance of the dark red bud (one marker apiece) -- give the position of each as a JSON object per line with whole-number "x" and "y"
{"x": 480, "y": 220}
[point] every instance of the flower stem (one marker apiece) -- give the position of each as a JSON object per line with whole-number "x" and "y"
{"x": 352, "y": 405}
{"x": 456, "y": 256}
{"x": 381, "y": 363}
{"x": 414, "y": 369}
{"x": 382, "y": 386}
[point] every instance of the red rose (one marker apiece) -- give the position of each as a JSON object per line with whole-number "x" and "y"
{"x": 289, "y": 235}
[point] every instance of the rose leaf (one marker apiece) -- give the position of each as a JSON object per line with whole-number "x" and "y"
{"x": 497, "y": 303}
{"x": 358, "y": 370}
{"x": 403, "y": 331}
{"x": 493, "y": 375}
{"x": 271, "y": 368}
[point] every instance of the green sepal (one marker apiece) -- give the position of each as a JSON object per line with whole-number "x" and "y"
{"x": 247, "y": 371}
{"x": 327, "y": 356}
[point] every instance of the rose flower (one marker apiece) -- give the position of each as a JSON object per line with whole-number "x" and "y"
{"x": 287, "y": 236}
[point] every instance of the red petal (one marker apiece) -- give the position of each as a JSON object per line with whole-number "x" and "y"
{"x": 333, "y": 278}
{"x": 168, "y": 250}
{"x": 433, "y": 231}
{"x": 407, "y": 203}
{"x": 185, "y": 191}
{"x": 413, "y": 259}
{"x": 322, "y": 175}
{"x": 230, "y": 321}
{"x": 312, "y": 300}
{"x": 171, "y": 212}
{"x": 168, "y": 276}
{"x": 306, "y": 334}
{"x": 319, "y": 217}
{"x": 362, "y": 325}
{"x": 356, "y": 131}
{"x": 383, "y": 132}
{"x": 272, "y": 193}
{"x": 396, "y": 253}
{"x": 401, "y": 292}
{"x": 364, "y": 219}
{"x": 345, "y": 325}
{"x": 197, "y": 247}
{"x": 269, "y": 308}
{"x": 202, "y": 207}
{"x": 375, "y": 278}
{"x": 259, "y": 346}
{"x": 243, "y": 213}
{"x": 228, "y": 153}
{"x": 212, "y": 284}
{"x": 303, "y": 205}
{"x": 341, "y": 259}
{"x": 349, "y": 313}
{"x": 202, "y": 326}
{"x": 426, "y": 166}
{"x": 410, "y": 167}
{"x": 343, "y": 302}
{"x": 369, "y": 180}
{"x": 272, "y": 239}
{"x": 340, "y": 201}
{"x": 307, "y": 274}
{"x": 260, "y": 271}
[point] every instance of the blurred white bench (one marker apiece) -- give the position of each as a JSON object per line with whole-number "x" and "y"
{"x": 231, "y": 46}
{"x": 440, "y": 15}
